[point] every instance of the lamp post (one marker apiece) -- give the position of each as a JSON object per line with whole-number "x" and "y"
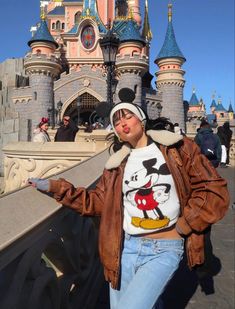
{"x": 59, "y": 108}
{"x": 109, "y": 46}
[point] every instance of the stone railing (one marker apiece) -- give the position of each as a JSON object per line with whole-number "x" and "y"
{"x": 48, "y": 254}
{"x": 25, "y": 159}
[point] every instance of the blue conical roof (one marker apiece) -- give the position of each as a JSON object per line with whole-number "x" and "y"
{"x": 58, "y": 10}
{"x": 170, "y": 47}
{"x": 131, "y": 33}
{"x": 42, "y": 34}
{"x": 213, "y": 103}
{"x": 220, "y": 108}
{"x": 230, "y": 109}
{"x": 194, "y": 100}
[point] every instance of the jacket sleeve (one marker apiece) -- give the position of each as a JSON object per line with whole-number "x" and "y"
{"x": 86, "y": 202}
{"x": 209, "y": 198}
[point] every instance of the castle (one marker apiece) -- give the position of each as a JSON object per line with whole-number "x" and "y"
{"x": 63, "y": 72}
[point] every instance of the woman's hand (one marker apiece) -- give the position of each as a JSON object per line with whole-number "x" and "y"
{"x": 40, "y": 184}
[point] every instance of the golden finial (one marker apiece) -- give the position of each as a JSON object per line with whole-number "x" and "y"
{"x": 169, "y": 12}
{"x": 146, "y": 33}
{"x": 43, "y": 13}
{"x": 87, "y": 12}
{"x": 131, "y": 15}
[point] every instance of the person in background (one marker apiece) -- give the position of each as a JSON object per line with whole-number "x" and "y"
{"x": 67, "y": 131}
{"x": 228, "y": 136}
{"x": 222, "y": 137}
{"x": 156, "y": 190}
{"x": 209, "y": 143}
{"x": 40, "y": 133}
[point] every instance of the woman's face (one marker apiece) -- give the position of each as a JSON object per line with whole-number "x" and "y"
{"x": 44, "y": 127}
{"x": 128, "y": 126}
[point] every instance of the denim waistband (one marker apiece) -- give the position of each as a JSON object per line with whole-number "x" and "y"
{"x": 164, "y": 241}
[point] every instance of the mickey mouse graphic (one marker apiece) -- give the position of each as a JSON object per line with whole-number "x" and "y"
{"x": 148, "y": 194}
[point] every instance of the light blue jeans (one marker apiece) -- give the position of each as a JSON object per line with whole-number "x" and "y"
{"x": 147, "y": 265}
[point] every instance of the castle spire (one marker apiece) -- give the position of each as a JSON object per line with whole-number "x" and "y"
{"x": 42, "y": 33}
{"x": 146, "y": 33}
{"x": 170, "y": 76}
{"x": 170, "y": 48}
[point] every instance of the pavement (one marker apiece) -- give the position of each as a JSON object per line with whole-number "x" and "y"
{"x": 213, "y": 291}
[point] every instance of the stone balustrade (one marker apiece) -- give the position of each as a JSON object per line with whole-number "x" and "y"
{"x": 48, "y": 253}
{"x": 27, "y": 159}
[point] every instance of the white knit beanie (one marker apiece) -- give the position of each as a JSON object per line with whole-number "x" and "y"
{"x": 135, "y": 109}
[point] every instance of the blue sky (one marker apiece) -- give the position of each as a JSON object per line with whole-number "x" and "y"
{"x": 204, "y": 31}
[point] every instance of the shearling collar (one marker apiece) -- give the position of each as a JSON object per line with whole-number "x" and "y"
{"x": 162, "y": 137}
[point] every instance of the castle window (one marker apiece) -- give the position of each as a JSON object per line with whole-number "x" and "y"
{"x": 35, "y": 95}
{"x": 53, "y": 26}
{"x": 135, "y": 88}
{"x": 57, "y": 25}
{"x": 38, "y": 52}
{"x": 77, "y": 17}
{"x": 88, "y": 37}
{"x": 62, "y": 26}
{"x": 168, "y": 67}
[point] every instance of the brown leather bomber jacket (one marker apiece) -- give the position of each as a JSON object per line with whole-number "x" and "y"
{"x": 203, "y": 196}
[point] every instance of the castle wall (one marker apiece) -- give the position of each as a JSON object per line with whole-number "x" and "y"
{"x": 9, "y": 118}
{"x": 72, "y": 85}
{"x": 172, "y": 102}
{"x": 42, "y": 89}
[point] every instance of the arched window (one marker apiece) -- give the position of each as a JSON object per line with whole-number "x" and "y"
{"x": 133, "y": 52}
{"x": 77, "y": 17}
{"x": 53, "y": 26}
{"x": 62, "y": 26}
{"x": 38, "y": 52}
{"x": 57, "y": 25}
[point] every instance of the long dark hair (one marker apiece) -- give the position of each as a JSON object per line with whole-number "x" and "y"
{"x": 161, "y": 123}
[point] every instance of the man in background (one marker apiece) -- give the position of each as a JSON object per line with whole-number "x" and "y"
{"x": 67, "y": 131}
{"x": 209, "y": 143}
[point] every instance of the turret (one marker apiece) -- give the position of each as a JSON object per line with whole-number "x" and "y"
{"x": 230, "y": 111}
{"x": 170, "y": 80}
{"x": 213, "y": 104}
{"x": 42, "y": 67}
{"x": 131, "y": 62}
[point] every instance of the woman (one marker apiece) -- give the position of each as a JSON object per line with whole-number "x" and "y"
{"x": 40, "y": 134}
{"x": 156, "y": 190}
